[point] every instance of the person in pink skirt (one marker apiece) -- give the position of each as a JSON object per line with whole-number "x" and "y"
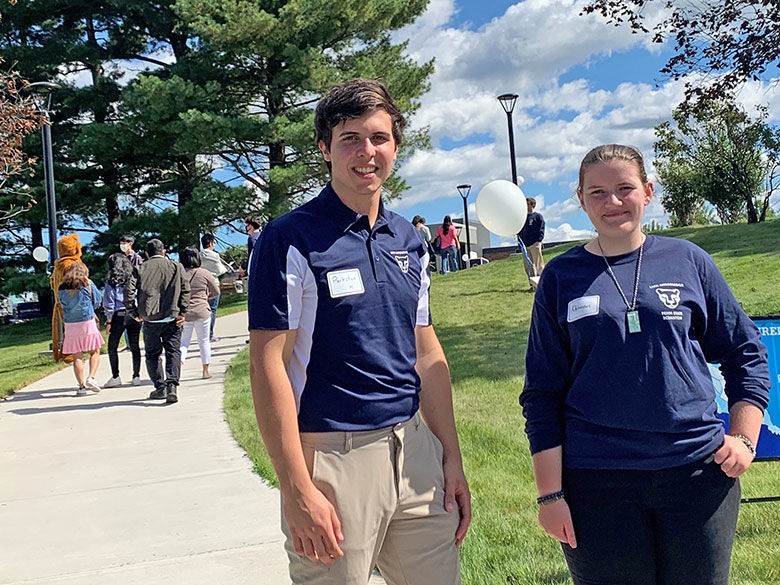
{"x": 79, "y": 297}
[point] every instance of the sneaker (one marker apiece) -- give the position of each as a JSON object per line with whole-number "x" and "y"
{"x": 136, "y": 380}
{"x": 81, "y": 391}
{"x": 171, "y": 398}
{"x": 113, "y": 382}
{"x": 157, "y": 394}
{"x": 92, "y": 384}
{"x": 214, "y": 339}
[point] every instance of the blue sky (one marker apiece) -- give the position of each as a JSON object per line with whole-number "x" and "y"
{"x": 582, "y": 83}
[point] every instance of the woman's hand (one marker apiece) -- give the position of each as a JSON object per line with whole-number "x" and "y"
{"x": 555, "y": 518}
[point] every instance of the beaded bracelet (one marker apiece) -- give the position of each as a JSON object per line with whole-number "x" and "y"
{"x": 550, "y": 498}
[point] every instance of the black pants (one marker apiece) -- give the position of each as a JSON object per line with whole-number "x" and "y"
{"x": 118, "y": 325}
{"x": 159, "y": 337}
{"x": 666, "y": 527}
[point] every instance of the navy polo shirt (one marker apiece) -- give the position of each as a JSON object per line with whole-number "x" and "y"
{"x": 354, "y": 294}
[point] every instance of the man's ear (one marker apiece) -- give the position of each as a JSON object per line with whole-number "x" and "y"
{"x": 324, "y": 150}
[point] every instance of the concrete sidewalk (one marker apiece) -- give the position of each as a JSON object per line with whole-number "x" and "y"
{"x": 112, "y": 488}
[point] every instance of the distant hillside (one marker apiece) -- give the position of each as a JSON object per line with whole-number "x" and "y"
{"x": 748, "y": 255}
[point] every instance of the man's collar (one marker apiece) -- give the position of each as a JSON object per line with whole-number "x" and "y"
{"x": 344, "y": 217}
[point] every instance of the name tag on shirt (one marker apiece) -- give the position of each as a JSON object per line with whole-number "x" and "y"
{"x": 583, "y": 307}
{"x": 343, "y": 283}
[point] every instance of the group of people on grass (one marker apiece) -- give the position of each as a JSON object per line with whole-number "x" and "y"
{"x": 636, "y": 475}
{"x": 166, "y": 300}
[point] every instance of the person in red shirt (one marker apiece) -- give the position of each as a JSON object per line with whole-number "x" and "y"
{"x": 448, "y": 236}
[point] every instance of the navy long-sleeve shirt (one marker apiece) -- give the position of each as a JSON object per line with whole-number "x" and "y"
{"x": 645, "y": 400}
{"x": 533, "y": 229}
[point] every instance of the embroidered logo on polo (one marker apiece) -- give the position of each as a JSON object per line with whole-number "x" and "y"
{"x": 402, "y": 259}
{"x": 669, "y": 294}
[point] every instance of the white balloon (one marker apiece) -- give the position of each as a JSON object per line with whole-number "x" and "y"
{"x": 501, "y": 207}
{"x": 520, "y": 180}
{"x": 41, "y": 254}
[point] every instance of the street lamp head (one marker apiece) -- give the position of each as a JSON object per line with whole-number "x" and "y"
{"x": 464, "y": 190}
{"x": 508, "y": 101}
{"x": 41, "y": 87}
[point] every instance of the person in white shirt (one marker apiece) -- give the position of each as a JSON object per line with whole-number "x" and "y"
{"x": 213, "y": 262}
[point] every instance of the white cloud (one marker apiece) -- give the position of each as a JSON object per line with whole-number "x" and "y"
{"x": 566, "y": 233}
{"x": 559, "y": 210}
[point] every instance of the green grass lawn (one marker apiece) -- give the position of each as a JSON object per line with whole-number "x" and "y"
{"x": 482, "y": 318}
{"x": 20, "y": 344}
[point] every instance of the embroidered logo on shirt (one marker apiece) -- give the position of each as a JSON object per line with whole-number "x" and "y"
{"x": 402, "y": 258}
{"x": 670, "y": 297}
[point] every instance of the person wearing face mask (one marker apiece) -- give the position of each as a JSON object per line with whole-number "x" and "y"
{"x": 126, "y": 245}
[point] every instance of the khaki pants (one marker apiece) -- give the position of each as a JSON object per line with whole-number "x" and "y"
{"x": 387, "y": 487}
{"x": 537, "y": 260}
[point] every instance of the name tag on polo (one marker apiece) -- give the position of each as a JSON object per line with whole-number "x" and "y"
{"x": 343, "y": 283}
{"x": 583, "y": 307}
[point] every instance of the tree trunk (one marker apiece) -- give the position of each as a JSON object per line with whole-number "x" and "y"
{"x": 752, "y": 215}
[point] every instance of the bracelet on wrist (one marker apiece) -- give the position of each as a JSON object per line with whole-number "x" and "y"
{"x": 550, "y": 498}
{"x": 747, "y": 442}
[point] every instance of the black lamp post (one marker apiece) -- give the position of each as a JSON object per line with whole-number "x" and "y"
{"x": 45, "y": 89}
{"x": 508, "y": 103}
{"x": 464, "y": 191}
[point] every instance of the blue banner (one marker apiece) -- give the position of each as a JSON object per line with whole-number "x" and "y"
{"x": 769, "y": 440}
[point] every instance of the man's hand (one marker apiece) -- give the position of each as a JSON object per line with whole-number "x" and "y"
{"x": 314, "y": 526}
{"x": 179, "y": 320}
{"x": 108, "y": 328}
{"x": 456, "y": 490}
{"x": 733, "y": 456}
{"x": 555, "y": 518}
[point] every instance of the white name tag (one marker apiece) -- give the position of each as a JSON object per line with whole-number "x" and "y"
{"x": 583, "y": 307}
{"x": 343, "y": 283}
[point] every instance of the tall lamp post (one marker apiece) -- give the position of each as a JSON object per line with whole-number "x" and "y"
{"x": 508, "y": 103}
{"x": 464, "y": 191}
{"x": 45, "y": 89}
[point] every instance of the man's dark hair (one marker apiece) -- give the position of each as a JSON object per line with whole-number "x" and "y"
{"x": 127, "y": 238}
{"x": 352, "y": 99}
{"x": 206, "y": 239}
{"x": 190, "y": 257}
{"x": 154, "y": 247}
{"x": 253, "y": 221}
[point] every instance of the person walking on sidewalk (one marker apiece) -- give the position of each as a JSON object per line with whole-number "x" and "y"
{"x": 79, "y": 297}
{"x": 198, "y": 317}
{"x": 252, "y": 226}
{"x": 212, "y": 261}
{"x": 158, "y": 295}
{"x": 344, "y": 360}
{"x": 119, "y": 272}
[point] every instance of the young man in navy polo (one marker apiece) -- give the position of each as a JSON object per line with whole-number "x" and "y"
{"x": 344, "y": 361}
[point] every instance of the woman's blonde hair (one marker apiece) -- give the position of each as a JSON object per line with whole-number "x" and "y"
{"x": 609, "y": 152}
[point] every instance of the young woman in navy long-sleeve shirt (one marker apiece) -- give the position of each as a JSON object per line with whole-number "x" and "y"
{"x": 635, "y": 473}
